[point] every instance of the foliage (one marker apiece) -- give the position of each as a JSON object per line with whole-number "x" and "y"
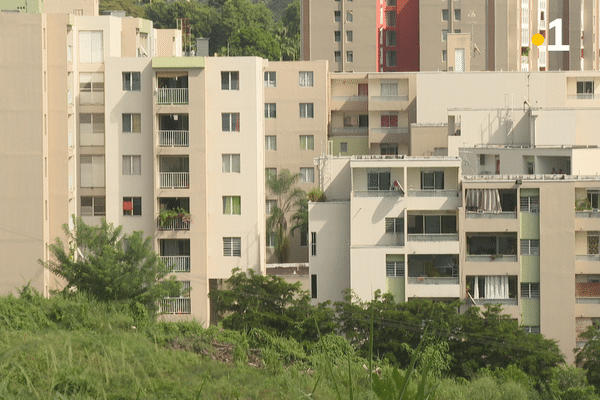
{"x": 316, "y": 195}
{"x": 270, "y": 304}
{"x": 283, "y": 186}
{"x": 166, "y": 216}
{"x": 131, "y": 7}
{"x": 109, "y": 266}
{"x": 568, "y": 383}
{"x": 589, "y": 356}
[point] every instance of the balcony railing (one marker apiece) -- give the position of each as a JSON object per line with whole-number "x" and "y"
{"x": 349, "y": 98}
{"x": 389, "y": 98}
{"x": 174, "y": 180}
{"x": 432, "y": 237}
{"x": 582, "y": 96}
{"x": 587, "y": 214}
{"x": 174, "y": 138}
{"x": 172, "y": 96}
{"x": 587, "y": 300}
{"x": 173, "y": 224}
{"x": 420, "y": 280}
{"x": 350, "y": 130}
{"x": 177, "y": 263}
{"x": 432, "y": 193}
{"x": 378, "y": 193}
{"x": 587, "y": 257}
{"x": 175, "y": 305}
{"x": 390, "y": 129}
{"x": 506, "y": 302}
{"x": 491, "y": 215}
{"x": 492, "y": 258}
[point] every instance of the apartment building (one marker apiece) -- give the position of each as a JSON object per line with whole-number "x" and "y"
{"x": 429, "y": 35}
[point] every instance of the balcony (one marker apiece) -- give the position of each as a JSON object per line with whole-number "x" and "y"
{"x": 491, "y": 258}
{"x": 175, "y": 305}
{"x": 349, "y": 98}
{"x": 433, "y": 237}
{"x": 421, "y": 280}
{"x": 587, "y": 257}
{"x": 491, "y": 215}
{"x": 581, "y": 96}
{"x": 505, "y": 302}
{"x": 432, "y": 193}
{"x": 172, "y": 96}
{"x": 173, "y": 224}
{"x": 389, "y": 98}
{"x": 588, "y": 214}
{"x": 174, "y": 180}
{"x": 350, "y": 131}
{"x": 378, "y": 193}
{"x": 177, "y": 263}
{"x": 173, "y": 138}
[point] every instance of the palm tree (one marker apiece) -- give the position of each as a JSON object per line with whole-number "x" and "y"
{"x": 284, "y": 187}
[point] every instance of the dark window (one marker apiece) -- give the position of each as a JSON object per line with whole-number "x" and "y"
{"x": 378, "y": 180}
{"x": 313, "y": 286}
{"x": 132, "y": 206}
{"x": 313, "y": 243}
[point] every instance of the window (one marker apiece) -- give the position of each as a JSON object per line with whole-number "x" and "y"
{"x": 349, "y": 16}
{"x": 313, "y": 286}
{"x": 270, "y": 206}
{"x": 593, "y": 242}
{"x": 444, "y": 55}
{"x": 230, "y": 80}
{"x": 394, "y": 225}
{"x": 93, "y": 206}
{"x": 363, "y": 121}
{"x": 131, "y": 81}
{"x": 432, "y": 180}
{"x": 132, "y": 206}
{"x": 457, "y": 14}
{"x": 303, "y": 239}
{"x": 390, "y": 18}
{"x": 231, "y": 163}
{"x": 363, "y": 89}
{"x": 431, "y": 224}
{"x": 307, "y": 142}
{"x": 349, "y": 36}
{"x": 270, "y": 79}
{"x": 444, "y": 34}
{"x": 232, "y": 247}
{"x": 388, "y": 149}
{"x": 337, "y": 56}
{"x": 91, "y": 88}
{"x": 532, "y": 329}
{"x": 585, "y": 90}
{"x": 270, "y": 142}
{"x": 132, "y": 123}
{"x": 313, "y": 243}
{"x": 349, "y": 56}
{"x": 389, "y": 89}
{"x": 232, "y": 205}
{"x": 390, "y": 3}
{"x": 378, "y": 180}
{"x": 343, "y": 147}
{"x": 389, "y": 120}
{"x": 530, "y": 204}
{"x": 593, "y": 197}
{"x": 230, "y": 122}
{"x": 91, "y": 129}
{"x": 92, "y": 171}
{"x": 445, "y": 15}
{"x": 270, "y": 110}
{"x": 394, "y": 268}
{"x": 337, "y": 16}
{"x": 482, "y": 159}
{"x": 91, "y": 48}
{"x": 530, "y": 247}
{"x": 307, "y": 175}
{"x": 306, "y": 79}
{"x": 270, "y": 239}
{"x": 337, "y": 36}
{"x": 390, "y": 38}
{"x": 132, "y": 165}
{"x": 459, "y": 60}
{"x": 390, "y": 58}
{"x": 270, "y": 173}
{"x": 457, "y": 31}
{"x": 306, "y": 110}
{"x": 530, "y": 290}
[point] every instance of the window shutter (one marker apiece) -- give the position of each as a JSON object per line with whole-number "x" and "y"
{"x": 385, "y": 121}
{"x": 98, "y": 171}
{"x": 136, "y": 122}
{"x": 384, "y": 181}
{"x": 137, "y": 206}
{"x": 225, "y": 122}
{"x": 226, "y": 163}
{"x": 393, "y": 120}
{"x": 97, "y": 129}
{"x": 86, "y": 171}
{"x": 137, "y": 165}
{"x": 126, "y": 122}
{"x": 235, "y": 163}
{"x": 136, "y": 81}
{"x": 439, "y": 180}
{"x": 85, "y": 46}
{"x": 97, "y": 47}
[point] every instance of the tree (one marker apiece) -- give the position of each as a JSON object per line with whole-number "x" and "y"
{"x": 109, "y": 266}
{"x": 589, "y": 356}
{"x": 271, "y": 304}
{"x": 282, "y": 186}
{"x": 131, "y": 7}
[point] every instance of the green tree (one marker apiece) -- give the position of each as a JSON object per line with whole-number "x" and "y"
{"x": 291, "y": 18}
{"x": 589, "y": 356}
{"x": 131, "y": 7}
{"x": 271, "y": 304}
{"x": 109, "y": 266}
{"x": 283, "y": 186}
{"x": 568, "y": 382}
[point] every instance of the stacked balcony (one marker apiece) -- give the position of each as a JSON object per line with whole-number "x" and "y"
{"x": 172, "y": 90}
{"x": 174, "y": 172}
{"x": 173, "y": 130}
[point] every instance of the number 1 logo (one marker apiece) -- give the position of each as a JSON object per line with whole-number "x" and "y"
{"x": 557, "y": 46}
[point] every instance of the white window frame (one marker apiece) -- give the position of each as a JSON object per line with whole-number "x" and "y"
{"x": 389, "y": 88}
{"x": 91, "y": 47}
{"x": 394, "y": 269}
{"x": 337, "y": 36}
{"x": 270, "y": 79}
{"x": 307, "y": 175}
{"x": 271, "y": 142}
{"x": 133, "y": 200}
{"x": 92, "y": 133}
{"x": 307, "y": 110}
{"x": 230, "y": 163}
{"x": 270, "y": 110}
{"x": 307, "y": 142}
{"x": 91, "y": 171}
{"x": 91, "y": 88}
{"x": 130, "y": 83}
{"x": 306, "y": 79}
{"x": 134, "y": 121}
{"x": 269, "y": 172}
{"x": 350, "y": 36}
{"x": 232, "y": 247}
{"x": 530, "y": 204}
{"x": 394, "y": 225}
{"x": 230, "y": 80}
{"x": 229, "y": 205}
{"x": 97, "y": 207}
{"x": 269, "y": 204}
{"x": 530, "y": 247}
{"x": 132, "y": 165}
{"x": 337, "y": 56}
{"x": 228, "y": 122}
{"x": 350, "y": 56}
{"x": 530, "y": 290}
{"x": 270, "y": 239}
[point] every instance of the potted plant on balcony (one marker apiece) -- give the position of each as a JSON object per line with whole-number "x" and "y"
{"x": 166, "y": 216}
{"x": 583, "y": 205}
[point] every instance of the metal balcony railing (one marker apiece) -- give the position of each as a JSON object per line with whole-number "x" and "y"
{"x": 587, "y": 214}
{"x": 587, "y": 257}
{"x": 177, "y": 263}
{"x": 506, "y": 302}
{"x": 389, "y": 98}
{"x": 432, "y": 193}
{"x": 173, "y": 224}
{"x": 492, "y": 258}
{"x": 433, "y": 237}
{"x": 174, "y": 138}
{"x": 420, "y": 280}
{"x": 172, "y": 96}
{"x": 174, "y": 180}
{"x": 491, "y": 215}
{"x": 175, "y": 305}
{"x": 378, "y": 193}
{"x": 587, "y": 300}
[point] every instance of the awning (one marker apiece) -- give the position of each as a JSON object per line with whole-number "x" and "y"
{"x": 483, "y": 200}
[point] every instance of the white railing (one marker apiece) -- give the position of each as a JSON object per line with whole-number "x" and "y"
{"x": 174, "y": 138}
{"x": 389, "y": 98}
{"x": 432, "y": 237}
{"x": 174, "y": 180}
{"x": 587, "y": 300}
{"x": 378, "y": 193}
{"x": 587, "y": 214}
{"x": 490, "y": 215}
{"x": 507, "y": 302}
{"x": 492, "y": 258}
{"x": 175, "y": 305}
{"x": 172, "y": 96}
{"x": 432, "y": 193}
{"x": 349, "y": 98}
{"x": 542, "y": 56}
{"x": 177, "y": 263}
{"x": 349, "y": 130}
{"x": 391, "y": 129}
{"x": 524, "y": 66}
{"x": 587, "y": 257}
{"x": 581, "y": 96}
{"x": 173, "y": 224}
{"x": 420, "y": 280}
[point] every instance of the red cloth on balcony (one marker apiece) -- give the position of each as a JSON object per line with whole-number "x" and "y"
{"x": 127, "y": 206}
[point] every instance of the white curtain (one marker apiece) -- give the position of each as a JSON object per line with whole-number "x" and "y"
{"x": 496, "y": 287}
{"x": 476, "y": 287}
{"x": 484, "y": 200}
